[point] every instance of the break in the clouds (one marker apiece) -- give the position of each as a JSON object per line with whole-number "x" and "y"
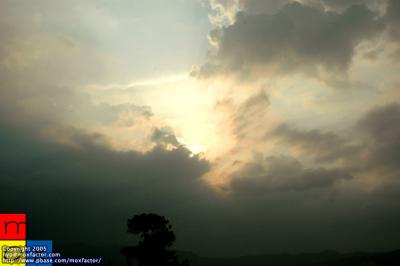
{"x": 252, "y": 151}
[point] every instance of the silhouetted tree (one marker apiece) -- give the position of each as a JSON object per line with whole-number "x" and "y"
{"x": 156, "y": 236}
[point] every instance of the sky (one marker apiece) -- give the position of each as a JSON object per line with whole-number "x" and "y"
{"x": 254, "y": 126}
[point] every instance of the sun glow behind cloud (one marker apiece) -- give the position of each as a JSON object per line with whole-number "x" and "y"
{"x": 181, "y": 102}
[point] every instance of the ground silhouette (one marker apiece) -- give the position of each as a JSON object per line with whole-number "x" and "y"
{"x": 156, "y": 236}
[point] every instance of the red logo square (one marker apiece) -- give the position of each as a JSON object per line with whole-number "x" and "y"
{"x": 13, "y": 226}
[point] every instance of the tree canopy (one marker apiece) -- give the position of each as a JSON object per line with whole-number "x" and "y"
{"x": 156, "y": 235}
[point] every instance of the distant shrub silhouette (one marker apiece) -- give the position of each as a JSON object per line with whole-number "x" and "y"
{"x": 156, "y": 236}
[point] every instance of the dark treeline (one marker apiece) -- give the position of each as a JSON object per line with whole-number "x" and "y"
{"x": 156, "y": 238}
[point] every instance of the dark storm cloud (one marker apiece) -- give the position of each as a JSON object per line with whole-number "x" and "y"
{"x": 393, "y": 18}
{"x": 325, "y": 146}
{"x": 343, "y": 3}
{"x": 296, "y": 39}
{"x": 165, "y": 136}
{"x": 272, "y": 6}
{"x": 381, "y": 128}
{"x": 85, "y": 181}
{"x": 262, "y": 6}
{"x": 374, "y": 145}
{"x": 274, "y": 174}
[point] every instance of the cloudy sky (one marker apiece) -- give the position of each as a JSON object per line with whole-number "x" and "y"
{"x": 255, "y": 126}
